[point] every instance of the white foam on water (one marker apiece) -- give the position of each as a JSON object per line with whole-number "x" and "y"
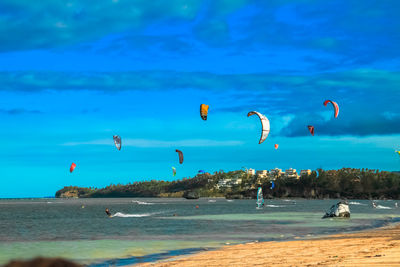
{"x": 142, "y": 202}
{"x": 275, "y": 206}
{"x": 289, "y": 200}
{"x": 357, "y": 203}
{"x": 383, "y": 207}
{"x": 211, "y": 200}
{"x": 123, "y": 215}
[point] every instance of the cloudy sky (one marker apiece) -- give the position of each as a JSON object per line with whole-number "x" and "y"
{"x": 75, "y": 73}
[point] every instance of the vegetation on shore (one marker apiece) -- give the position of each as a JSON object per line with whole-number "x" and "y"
{"x": 344, "y": 183}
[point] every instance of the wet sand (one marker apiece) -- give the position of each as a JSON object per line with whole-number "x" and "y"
{"x": 378, "y": 247}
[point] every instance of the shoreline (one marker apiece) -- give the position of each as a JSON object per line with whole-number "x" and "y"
{"x": 376, "y": 246}
{"x": 174, "y": 255}
{"x": 134, "y": 261}
{"x": 202, "y": 197}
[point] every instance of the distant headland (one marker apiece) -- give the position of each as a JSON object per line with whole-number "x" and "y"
{"x": 343, "y": 183}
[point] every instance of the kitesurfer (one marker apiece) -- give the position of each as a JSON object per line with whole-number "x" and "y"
{"x": 374, "y": 204}
{"x": 108, "y": 212}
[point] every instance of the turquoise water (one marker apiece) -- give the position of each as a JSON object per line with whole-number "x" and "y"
{"x": 79, "y": 229}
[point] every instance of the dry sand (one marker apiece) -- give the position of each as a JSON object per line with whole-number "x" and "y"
{"x": 379, "y": 247}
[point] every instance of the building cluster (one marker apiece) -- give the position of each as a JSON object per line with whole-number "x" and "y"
{"x": 228, "y": 183}
{"x": 263, "y": 175}
{"x": 278, "y": 173}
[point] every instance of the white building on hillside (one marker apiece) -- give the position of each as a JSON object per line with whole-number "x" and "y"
{"x": 305, "y": 172}
{"x": 251, "y": 172}
{"x": 228, "y": 183}
{"x": 291, "y": 173}
{"x": 262, "y": 174}
{"x": 275, "y": 173}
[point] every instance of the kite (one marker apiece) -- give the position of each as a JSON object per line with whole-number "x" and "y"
{"x": 335, "y": 106}
{"x": 276, "y": 146}
{"x": 117, "y": 141}
{"x": 264, "y": 123}
{"x": 71, "y": 169}
{"x": 203, "y": 111}
{"x": 272, "y": 185}
{"x": 180, "y": 155}
{"x": 173, "y": 171}
{"x": 311, "y": 129}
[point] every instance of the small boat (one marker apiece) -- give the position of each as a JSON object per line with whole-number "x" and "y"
{"x": 260, "y": 199}
{"x": 341, "y": 210}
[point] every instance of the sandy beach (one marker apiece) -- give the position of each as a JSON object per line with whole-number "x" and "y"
{"x": 378, "y": 247}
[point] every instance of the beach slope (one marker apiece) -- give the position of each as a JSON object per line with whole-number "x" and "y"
{"x": 379, "y": 247}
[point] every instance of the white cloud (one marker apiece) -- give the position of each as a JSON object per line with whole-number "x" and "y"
{"x": 159, "y": 143}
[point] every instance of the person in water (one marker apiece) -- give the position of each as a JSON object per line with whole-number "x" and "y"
{"x": 374, "y": 204}
{"x": 108, "y": 212}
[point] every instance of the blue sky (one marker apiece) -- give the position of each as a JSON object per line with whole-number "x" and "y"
{"x": 73, "y": 74}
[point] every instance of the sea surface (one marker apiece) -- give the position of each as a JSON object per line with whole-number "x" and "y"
{"x": 148, "y": 229}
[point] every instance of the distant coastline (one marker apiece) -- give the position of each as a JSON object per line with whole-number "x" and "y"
{"x": 343, "y": 183}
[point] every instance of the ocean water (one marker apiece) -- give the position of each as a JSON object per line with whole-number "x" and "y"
{"x": 148, "y": 229}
